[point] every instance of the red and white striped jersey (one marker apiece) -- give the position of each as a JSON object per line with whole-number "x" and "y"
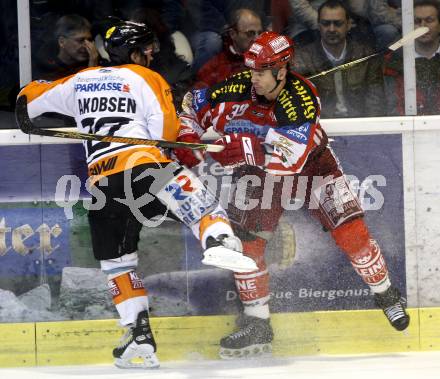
{"x": 124, "y": 101}
{"x": 289, "y": 126}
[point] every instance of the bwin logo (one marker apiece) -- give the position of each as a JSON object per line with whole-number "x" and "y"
{"x": 141, "y": 338}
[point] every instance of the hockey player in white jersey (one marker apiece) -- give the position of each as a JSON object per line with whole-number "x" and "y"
{"x": 139, "y": 183}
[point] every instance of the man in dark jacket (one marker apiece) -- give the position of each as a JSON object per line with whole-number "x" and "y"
{"x": 355, "y": 92}
{"x": 427, "y": 61}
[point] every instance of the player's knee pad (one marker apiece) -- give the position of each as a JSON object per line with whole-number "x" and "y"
{"x": 184, "y": 194}
{"x": 118, "y": 266}
{"x": 193, "y": 203}
{"x": 334, "y": 202}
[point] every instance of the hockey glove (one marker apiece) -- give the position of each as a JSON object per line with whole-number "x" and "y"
{"x": 240, "y": 149}
{"x": 188, "y": 157}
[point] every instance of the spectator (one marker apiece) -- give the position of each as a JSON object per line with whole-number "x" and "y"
{"x": 384, "y": 20}
{"x": 355, "y": 92}
{"x": 299, "y": 19}
{"x": 47, "y": 12}
{"x": 245, "y": 26}
{"x": 203, "y": 22}
{"x": 70, "y": 50}
{"x": 427, "y": 54}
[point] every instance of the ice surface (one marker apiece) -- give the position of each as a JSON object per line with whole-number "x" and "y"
{"x": 402, "y": 366}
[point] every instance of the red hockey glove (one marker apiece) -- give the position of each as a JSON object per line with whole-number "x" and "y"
{"x": 186, "y": 156}
{"x": 240, "y": 149}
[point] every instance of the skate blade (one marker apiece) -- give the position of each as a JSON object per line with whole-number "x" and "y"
{"x": 257, "y": 350}
{"x": 147, "y": 362}
{"x": 222, "y": 257}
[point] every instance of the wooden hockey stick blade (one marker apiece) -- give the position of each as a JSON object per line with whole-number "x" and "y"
{"x": 408, "y": 38}
{"x": 343, "y": 66}
{"x": 26, "y": 126}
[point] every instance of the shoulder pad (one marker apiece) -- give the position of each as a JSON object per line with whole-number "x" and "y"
{"x": 235, "y": 88}
{"x": 298, "y": 102}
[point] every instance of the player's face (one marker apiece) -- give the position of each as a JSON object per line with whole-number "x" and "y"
{"x": 426, "y": 15}
{"x": 148, "y": 54}
{"x": 333, "y": 25}
{"x": 263, "y": 81}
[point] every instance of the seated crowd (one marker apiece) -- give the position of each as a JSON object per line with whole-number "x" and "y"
{"x": 200, "y": 45}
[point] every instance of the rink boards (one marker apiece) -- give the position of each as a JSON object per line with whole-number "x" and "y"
{"x": 302, "y": 325}
{"x": 197, "y": 337}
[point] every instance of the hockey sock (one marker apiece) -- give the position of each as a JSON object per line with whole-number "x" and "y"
{"x": 260, "y": 311}
{"x": 129, "y": 296}
{"x": 364, "y": 254}
{"x": 253, "y": 287}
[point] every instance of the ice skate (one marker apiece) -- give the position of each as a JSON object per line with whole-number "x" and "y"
{"x": 394, "y": 307}
{"x": 225, "y": 252}
{"x": 253, "y": 339}
{"x": 137, "y": 348}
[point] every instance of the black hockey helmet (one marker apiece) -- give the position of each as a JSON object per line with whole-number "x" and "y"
{"x": 124, "y": 37}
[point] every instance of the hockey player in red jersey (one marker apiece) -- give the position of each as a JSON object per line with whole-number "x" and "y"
{"x": 269, "y": 119}
{"x": 131, "y": 183}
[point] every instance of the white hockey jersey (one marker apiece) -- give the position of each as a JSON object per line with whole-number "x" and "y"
{"x": 124, "y": 101}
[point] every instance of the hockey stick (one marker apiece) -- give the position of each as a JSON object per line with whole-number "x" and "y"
{"x": 26, "y": 126}
{"x": 408, "y": 38}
